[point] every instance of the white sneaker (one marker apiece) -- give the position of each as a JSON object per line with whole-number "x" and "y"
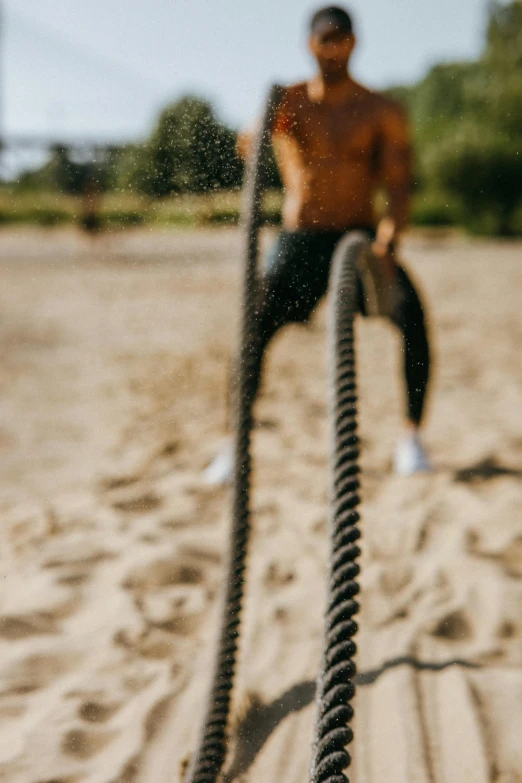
{"x": 220, "y": 471}
{"x": 410, "y": 457}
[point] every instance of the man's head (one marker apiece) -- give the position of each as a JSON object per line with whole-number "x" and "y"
{"x": 332, "y": 41}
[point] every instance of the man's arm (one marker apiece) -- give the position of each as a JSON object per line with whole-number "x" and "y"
{"x": 396, "y": 164}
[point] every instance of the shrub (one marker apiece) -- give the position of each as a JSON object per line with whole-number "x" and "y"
{"x": 483, "y": 171}
{"x": 435, "y": 209}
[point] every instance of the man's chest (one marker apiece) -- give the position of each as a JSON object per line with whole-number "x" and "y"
{"x": 344, "y": 133}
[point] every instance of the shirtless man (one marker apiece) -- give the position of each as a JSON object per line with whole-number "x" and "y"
{"x": 336, "y": 142}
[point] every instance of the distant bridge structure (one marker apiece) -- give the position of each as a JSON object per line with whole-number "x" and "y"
{"x": 19, "y": 152}
{"x": 47, "y": 144}
{"x": 24, "y": 152}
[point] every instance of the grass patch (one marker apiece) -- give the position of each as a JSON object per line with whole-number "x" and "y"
{"x": 125, "y": 210}
{"x": 223, "y": 208}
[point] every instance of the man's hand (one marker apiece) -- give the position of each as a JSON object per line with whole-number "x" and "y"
{"x": 384, "y": 236}
{"x": 384, "y": 244}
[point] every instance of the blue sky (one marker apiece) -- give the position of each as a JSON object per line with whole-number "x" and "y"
{"x": 103, "y": 68}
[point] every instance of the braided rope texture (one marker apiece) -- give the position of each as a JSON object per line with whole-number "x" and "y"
{"x": 209, "y": 756}
{"x": 335, "y": 688}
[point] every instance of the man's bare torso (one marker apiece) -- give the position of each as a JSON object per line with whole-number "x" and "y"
{"x": 334, "y": 155}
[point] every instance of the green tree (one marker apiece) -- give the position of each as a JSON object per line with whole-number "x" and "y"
{"x": 504, "y": 36}
{"x": 467, "y": 119}
{"x": 484, "y": 170}
{"x": 190, "y": 151}
{"x": 132, "y": 168}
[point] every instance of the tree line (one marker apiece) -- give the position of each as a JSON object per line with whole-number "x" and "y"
{"x": 189, "y": 151}
{"x": 466, "y": 119}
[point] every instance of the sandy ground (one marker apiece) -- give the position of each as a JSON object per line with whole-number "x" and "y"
{"x": 112, "y": 401}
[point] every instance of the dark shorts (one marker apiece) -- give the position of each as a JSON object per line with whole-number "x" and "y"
{"x": 296, "y": 275}
{"x": 295, "y": 279}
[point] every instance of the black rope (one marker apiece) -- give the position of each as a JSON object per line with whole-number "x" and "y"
{"x": 335, "y": 684}
{"x": 335, "y": 687}
{"x": 210, "y": 753}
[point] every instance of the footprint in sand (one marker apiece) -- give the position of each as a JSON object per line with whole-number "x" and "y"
{"x": 157, "y": 644}
{"x": 137, "y": 464}
{"x": 395, "y": 578}
{"x": 171, "y": 594}
{"x": 118, "y": 482}
{"x": 509, "y": 556}
{"x": 136, "y": 502}
{"x": 84, "y": 744}
{"x": 58, "y": 780}
{"x": 75, "y": 578}
{"x": 176, "y": 610}
{"x": 279, "y": 575}
{"x": 37, "y": 671}
{"x": 97, "y": 711}
{"x": 14, "y": 627}
{"x": 12, "y": 708}
{"x": 455, "y": 627}
{"x": 38, "y": 622}
{"x": 79, "y": 556}
{"x": 507, "y": 630}
{"x": 165, "y": 572}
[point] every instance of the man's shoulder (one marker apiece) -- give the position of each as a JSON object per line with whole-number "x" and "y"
{"x": 291, "y": 102}
{"x": 294, "y": 93}
{"x": 288, "y": 109}
{"x": 385, "y": 105}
